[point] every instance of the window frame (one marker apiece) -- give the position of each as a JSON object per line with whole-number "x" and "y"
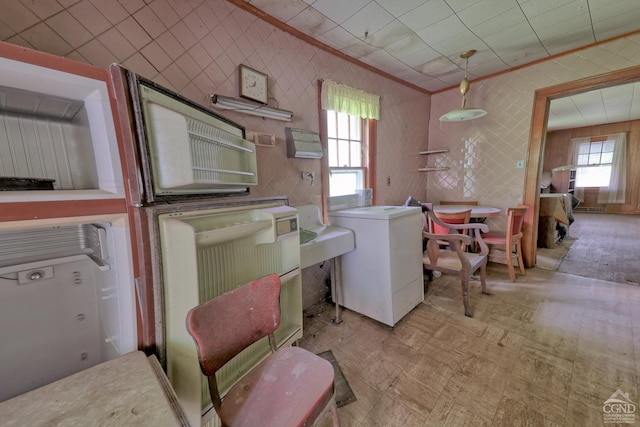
{"x": 369, "y": 135}
{"x": 338, "y": 140}
{"x": 582, "y": 169}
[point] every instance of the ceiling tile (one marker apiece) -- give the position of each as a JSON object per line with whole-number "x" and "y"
{"x": 90, "y": 17}
{"x": 410, "y": 75}
{"x": 442, "y": 30}
{"x": 16, "y": 16}
{"x": 312, "y": 22}
{"x": 458, "y": 43}
{"x": 515, "y": 58}
{"x": 380, "y": 57}
{"x": 283, "y": 10}
{"x": 533, "y": 8}
{"x": 67, "y": 27}
{"x": 42, "y": 37}
{"x": 394, "y": 67}
{"x": 417, "y": 59}
{"x": 392, "y": 32}
{"x": 613, "y": 24}
{"x": 368, "y": 20}
{"x": 498, "y": 23}
{"x": 567, "y": 18}
{"x": 339, "y": 10}
{"x": 337, "y": 38}
{"x": 407, "y": 46}
{"x": 45, "y": 9}
{"x": 397, "y": 8}
{"x": 559, "y": 43}
{"x": 485, "y": 10}
{"x": 359, "y": 49}
{"x": 513, "y": 38}
{"x": 425, "y": 15}
{"x": 438, "y": 67}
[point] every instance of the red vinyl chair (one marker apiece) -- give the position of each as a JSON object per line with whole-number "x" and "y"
{"x": 291, "y": 387}
{"x": 511, "y": 240}
{"x": 457, "y": 217}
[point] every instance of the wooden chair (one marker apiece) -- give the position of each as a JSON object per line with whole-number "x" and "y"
{"x": 457, "y": 217}
{"x": 511, "y": 240}
{"x": 453, "y": 259}
{"x": 291, "y": 387}
{"x": 459, "y": 202}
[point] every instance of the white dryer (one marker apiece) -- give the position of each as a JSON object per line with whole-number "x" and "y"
{"x": 382, "y": 278}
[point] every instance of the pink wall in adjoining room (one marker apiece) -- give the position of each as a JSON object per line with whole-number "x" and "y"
{"x": 194, "y": 47}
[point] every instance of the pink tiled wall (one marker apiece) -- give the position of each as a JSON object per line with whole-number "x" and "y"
{"x": 195, "y": 46}
{"x": 483, "y": 153}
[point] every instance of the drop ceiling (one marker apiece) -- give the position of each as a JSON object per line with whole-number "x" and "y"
{"x": 420, "y": 41}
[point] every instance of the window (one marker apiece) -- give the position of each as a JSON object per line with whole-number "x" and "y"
{"x": 595, "y": 159}
{"x": 347, "y": 154}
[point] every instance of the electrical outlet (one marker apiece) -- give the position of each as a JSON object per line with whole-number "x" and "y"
{"x": 388, "y": 181}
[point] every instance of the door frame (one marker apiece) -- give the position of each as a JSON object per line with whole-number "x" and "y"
{"x": 537, "y": 137}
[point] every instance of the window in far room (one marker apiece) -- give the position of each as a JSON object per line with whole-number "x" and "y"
{"x": 595, "y": 159}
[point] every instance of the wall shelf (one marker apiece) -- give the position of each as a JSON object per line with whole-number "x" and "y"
{"x": 436, "y": 168}
{"x": 429, "y": 169}
{"x": 434, "y": 151}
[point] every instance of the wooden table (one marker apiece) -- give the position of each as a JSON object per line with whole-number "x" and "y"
{"x": 129, "y": 390}
{"x": 476, "y": 211}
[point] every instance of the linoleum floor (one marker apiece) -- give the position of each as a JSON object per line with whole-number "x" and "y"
{"x": 547, "y": 350}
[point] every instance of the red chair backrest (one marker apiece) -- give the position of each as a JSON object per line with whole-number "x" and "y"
{"x": 461, "y": 217}
{"x": 225, "y": 325}
{"x": 518, "y": 218}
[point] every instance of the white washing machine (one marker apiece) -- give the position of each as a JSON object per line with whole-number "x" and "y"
{"x": 382, "y": 278}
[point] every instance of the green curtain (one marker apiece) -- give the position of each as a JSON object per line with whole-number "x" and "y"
{"x": 345, "y": 99}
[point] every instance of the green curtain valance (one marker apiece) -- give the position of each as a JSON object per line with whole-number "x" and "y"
{"x": 345, "y": 99}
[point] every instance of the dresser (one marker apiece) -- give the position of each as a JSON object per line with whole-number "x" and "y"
{"x": 563, "y": 180}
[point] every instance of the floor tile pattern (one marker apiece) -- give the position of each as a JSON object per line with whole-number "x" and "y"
{"x": 547, "y": 350}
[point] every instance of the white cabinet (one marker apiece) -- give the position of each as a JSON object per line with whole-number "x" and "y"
{"x": 382, "y": 278}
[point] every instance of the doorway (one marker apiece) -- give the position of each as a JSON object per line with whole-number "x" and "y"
{"x": 537, "y": 138}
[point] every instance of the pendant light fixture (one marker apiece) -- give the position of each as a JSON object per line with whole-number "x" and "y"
{"x": 464, "y": 113}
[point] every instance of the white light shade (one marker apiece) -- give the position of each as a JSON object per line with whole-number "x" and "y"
{"x": 248, "y": 107}
{"x": 463, "y": 114}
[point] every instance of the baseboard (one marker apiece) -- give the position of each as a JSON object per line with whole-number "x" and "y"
{"x": 592, "y": 209}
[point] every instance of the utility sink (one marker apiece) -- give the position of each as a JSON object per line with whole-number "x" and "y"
{"x": 319, "y": 241}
